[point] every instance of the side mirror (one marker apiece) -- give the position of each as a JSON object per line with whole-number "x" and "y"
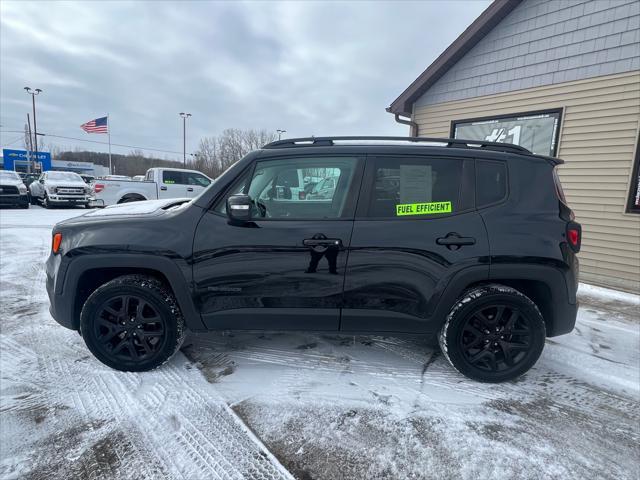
{"x": 239, "y": 208}
{"x": 41, "y": 180}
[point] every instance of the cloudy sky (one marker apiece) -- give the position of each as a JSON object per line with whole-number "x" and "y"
{"x": 311, "y": 68}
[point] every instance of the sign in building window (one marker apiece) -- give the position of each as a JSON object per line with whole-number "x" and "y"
{"x": 536, "y": 131}
{"x": 633, "y": 203}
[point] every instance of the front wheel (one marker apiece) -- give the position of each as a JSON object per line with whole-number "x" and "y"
{"x": 132, "y": 323}
{"x": 45, "y": 201}
{"x": 493, "y": 333}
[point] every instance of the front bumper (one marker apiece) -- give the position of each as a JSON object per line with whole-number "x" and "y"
{"x": 12, "y": 200}
{"x": 68, "y": 199}
{"x": 61, "y": 308}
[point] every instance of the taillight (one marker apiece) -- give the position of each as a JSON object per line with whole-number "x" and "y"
{"x": 55, "y": 244}
{"x": 574, "y": 236}
{"x": 302, "y": 195}
{"x": 98, "y": 187}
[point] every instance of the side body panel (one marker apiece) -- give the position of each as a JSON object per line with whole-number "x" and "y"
{"x": 398, "y": 268}
{"x": 265, "y": 278}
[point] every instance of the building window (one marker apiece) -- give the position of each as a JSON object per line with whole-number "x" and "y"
{"x": 537, "y": 131}
{"x": 633, "y": 203}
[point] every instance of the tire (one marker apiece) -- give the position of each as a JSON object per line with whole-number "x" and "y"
{"x": 146, "y": 306}
{"x": 24, "y": 205}
{"x": 33, "y": 200}
{"x": 492, "y": 334}
{"x": 45, "y": 202}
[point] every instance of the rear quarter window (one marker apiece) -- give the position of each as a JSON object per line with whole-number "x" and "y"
{"x": 491, "y": 182}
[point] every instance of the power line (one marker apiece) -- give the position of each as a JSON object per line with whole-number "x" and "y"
{"x": 98, "y": 142}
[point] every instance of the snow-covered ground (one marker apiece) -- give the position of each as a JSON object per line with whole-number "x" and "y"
{"x": 317, "y": 406}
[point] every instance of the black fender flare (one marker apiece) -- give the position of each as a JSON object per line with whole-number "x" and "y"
{"x": 168, "y": 267}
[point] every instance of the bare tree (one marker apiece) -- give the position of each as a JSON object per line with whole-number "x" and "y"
{"x": 217, "y": 154}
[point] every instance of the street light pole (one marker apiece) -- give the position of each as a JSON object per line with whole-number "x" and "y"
{"x": 33, "y": 94}
{"x": 280, "y": 132}
{"x": 184, "y": 137}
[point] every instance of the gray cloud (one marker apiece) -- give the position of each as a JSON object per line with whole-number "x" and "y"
{"x": 312, "y": 68}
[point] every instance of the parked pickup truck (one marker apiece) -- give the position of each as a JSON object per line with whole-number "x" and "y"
{"x": 158, "y": 183}
{"x": 60, "y": 189}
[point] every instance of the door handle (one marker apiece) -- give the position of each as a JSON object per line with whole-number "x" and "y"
{"x": 163, "y": 188}
{"x": 454, "y": 241}
{"x": 190, "y": 189}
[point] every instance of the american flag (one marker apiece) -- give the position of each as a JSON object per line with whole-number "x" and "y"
{"x": 99, "y": 125}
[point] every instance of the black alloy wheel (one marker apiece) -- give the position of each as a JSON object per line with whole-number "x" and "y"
{"x": 493, "y": 333}
{"x": 132, "y": 323}
{"x": 129, "y": 328}
{"x": 495, "y": 338}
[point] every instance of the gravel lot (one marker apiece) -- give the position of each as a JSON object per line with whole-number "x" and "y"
{"x": 309, "y": 406}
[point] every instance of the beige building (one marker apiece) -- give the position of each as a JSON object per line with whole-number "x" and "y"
{"x": 559, "y": 77}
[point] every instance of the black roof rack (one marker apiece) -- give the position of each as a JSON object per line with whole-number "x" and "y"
{"x": 449, "y": 142}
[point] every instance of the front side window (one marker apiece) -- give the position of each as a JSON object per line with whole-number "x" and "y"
{"x": 197, "y": 179}
{"x": 414, "y": 187}
{"x": 297, "y": 188}
{"x": 172, "y": 177}
{"x": 278, "y": 187}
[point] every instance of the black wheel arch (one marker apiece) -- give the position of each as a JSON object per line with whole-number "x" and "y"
{"x": 83, "y": 275}
{"x": 545, "y": 285}
{"x": 132, "y": 197}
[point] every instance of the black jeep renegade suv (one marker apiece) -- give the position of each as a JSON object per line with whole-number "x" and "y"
{"x": 469, "y": 242}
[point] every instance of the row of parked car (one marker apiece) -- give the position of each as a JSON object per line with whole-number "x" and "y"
{"x": 58, "y": 188}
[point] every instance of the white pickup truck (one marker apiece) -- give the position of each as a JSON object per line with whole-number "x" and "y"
{"x": 158, "y": 183}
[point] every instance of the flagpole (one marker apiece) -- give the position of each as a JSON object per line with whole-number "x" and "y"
{"x": 109, "y": 135}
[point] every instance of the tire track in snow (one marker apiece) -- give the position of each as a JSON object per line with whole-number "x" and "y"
{"x": 122, "y": 428}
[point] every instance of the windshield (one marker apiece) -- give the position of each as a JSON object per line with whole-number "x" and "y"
{"x": 67, "y": 176}
{"x": 8, "y": 175}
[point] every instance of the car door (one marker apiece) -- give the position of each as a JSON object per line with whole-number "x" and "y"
{"x": 284, "y": 270}
{"x": 172, "y": 184}
{"x": 196, "y": 183}
{"x": 415, "y": 229}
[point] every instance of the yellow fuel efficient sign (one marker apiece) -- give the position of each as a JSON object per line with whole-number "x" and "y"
{"x": 423, "y": 208}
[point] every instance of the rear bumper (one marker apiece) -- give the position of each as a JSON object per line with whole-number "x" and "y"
{"x": 564, "y": 320}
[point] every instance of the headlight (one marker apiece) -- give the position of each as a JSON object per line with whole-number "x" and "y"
{"x": 88, "y": 190}
{"x": 51, "y": 189}
{"x": 22, "y": 189}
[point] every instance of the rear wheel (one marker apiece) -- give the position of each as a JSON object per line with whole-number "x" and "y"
{"x": 493, "y": 333}
{"x": 132, "y": 323}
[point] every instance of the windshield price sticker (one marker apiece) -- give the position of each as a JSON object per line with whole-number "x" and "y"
{"x": 423, "y": 208}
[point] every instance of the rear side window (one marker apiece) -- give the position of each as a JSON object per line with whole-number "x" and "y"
{"x": 414, "y": 187}
{"x": 491, "y": 182}
{"x": 171, "y": 177}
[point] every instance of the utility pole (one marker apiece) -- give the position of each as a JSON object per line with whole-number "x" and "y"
{"x": 33, "y": 94}
{"x": 31, "y": 163}
{"x": 184, "y": 137}
{"x": 280, "y": 132}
